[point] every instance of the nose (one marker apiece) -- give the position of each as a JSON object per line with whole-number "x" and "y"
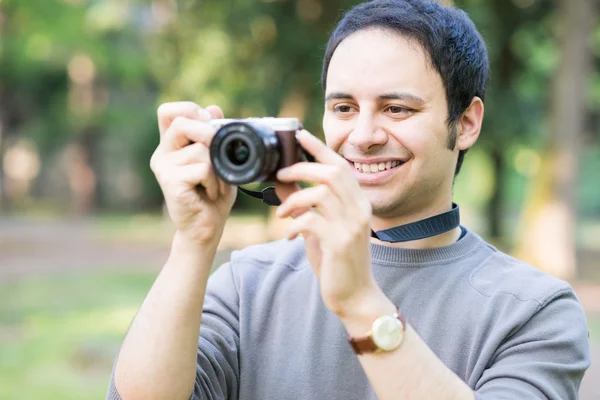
{"x": 367, "y": 135}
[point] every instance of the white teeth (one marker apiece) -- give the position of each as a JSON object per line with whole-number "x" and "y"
{"x": 370, "y": 168}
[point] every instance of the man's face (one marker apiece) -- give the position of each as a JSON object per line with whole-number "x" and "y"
{"x": 386, "y": 111}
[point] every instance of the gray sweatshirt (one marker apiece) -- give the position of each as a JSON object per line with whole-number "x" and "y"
{"x": 505, "y": 328}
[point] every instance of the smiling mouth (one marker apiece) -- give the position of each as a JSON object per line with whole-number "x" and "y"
{"x": 376, "y": 167}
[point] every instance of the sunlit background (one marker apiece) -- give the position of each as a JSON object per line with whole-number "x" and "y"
{"x": 82, "y": 228}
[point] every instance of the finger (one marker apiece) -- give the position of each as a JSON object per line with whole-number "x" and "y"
{"x": 193, "y": 153}
{"x": 339, "y": 179}
{"x": 307, "y": 224}
{"x": 184, "y": 131}
{"x": 167, "y": 112}
{"x": 319, "y": 150}
{"x": 200, "y": 174}
{"x": 215, "y": 112}
{"x": 319, "y": 197}
{"x": 314, "y": 252}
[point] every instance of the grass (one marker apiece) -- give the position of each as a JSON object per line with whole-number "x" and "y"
{"x": 59, "y": 334}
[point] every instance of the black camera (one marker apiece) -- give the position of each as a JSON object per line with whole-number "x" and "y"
{"x": 254, "y": 149}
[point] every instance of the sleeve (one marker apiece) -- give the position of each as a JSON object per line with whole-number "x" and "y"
{"x": 544, "y": 359}
{"x": 217, "y": 368}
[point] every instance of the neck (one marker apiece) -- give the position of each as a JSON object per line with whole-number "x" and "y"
{"x": 444, "y": 239}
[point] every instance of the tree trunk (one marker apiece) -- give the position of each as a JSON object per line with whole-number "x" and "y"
{"x": 548, "y": 234}
{"x": 91, "y": 143}
{"x": 11, "y": 116}
{"x": 5, "y": 205}
{"x": 504, "y": 77}
{"x": 495, "y": 205}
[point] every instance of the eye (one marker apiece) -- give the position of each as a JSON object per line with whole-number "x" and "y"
{"x": 343, "y": 109}
{"x": 398, "y": 110}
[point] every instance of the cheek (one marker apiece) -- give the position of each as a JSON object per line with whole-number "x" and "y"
{"x": 423, "y": 138}
{"x": 335, "y": 132}
{"x": 411, "y": 136}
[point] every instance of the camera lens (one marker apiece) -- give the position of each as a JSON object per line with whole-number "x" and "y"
{"x": 243, "y": 152}
{"x": 238, "y": 151}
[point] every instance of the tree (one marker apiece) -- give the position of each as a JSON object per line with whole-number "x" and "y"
{"x": 61, "y": 63}
{"x": 548, "y": 236}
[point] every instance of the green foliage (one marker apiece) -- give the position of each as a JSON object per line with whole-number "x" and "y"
{"x": 522, "y": 53}
{"x": 253, "y": 58}
{"x": 76, "y": 72}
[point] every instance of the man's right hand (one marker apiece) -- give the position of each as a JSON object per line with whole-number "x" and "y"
{"x": 158, "y": 358}
{"x": 198, "y": 202}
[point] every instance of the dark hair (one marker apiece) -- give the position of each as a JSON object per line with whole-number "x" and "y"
{"x": 448, "y": 36}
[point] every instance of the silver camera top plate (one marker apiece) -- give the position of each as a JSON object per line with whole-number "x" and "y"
{"x": 277, "y": 124}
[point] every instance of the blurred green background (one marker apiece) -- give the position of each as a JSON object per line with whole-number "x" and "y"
{"x": 82, "y": 228}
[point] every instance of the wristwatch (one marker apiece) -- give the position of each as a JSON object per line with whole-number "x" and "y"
{"x": 386, "y": 334}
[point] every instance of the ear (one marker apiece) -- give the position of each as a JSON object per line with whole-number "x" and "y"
{"x": 470, "y": 125}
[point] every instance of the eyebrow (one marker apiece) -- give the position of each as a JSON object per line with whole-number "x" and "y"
{"x": 338, "y": 96}
{"x": 412, "y": 98}
{"x": 386, "y": 96}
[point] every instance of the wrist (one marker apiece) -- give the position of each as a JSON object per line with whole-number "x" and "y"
{"x": 358, "y": 317}
{"x": 183, "y": 242}
{"x": 191, "y": 255}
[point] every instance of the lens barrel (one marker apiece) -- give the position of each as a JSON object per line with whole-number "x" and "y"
{"x": 245, "y": 152}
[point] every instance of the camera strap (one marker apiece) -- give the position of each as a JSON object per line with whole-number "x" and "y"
{"x": 267, "y": 195}
{"x": 422, "y": 229}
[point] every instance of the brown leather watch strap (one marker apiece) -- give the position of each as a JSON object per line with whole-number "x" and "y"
{"x": 366, "y": 344}
{"x": 363, "y": 345}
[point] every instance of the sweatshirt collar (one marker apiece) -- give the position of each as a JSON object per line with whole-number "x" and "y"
{"x": 392, "y": 256}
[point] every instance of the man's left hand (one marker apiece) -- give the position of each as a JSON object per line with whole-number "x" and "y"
{"x": 334, "y": 217}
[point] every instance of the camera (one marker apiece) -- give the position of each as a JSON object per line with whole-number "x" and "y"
{"x": 254, "y": 149}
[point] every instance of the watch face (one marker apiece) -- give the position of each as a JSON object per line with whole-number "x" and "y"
{"x": 387, "y": 332}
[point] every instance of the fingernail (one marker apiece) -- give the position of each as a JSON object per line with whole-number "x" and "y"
{"x": 282, "y": 173}
{"x": 205, "y": 115}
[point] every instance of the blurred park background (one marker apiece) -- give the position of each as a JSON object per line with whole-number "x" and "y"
{"x": 82, "y": 229}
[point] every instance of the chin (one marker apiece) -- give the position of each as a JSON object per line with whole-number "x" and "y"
{"x": 384, "y": 204}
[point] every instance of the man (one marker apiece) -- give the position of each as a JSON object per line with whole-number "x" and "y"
{"x": 331, "y": 312}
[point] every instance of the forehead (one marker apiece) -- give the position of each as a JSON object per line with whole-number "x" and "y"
{"x": 373, "y": 61}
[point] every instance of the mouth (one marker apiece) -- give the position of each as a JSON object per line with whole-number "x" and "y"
{"x": 375, "y": 167}
{"x": 375, "y": 171}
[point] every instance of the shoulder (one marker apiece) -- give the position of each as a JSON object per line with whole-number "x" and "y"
{"x": 524, "y": 301}
{"x": 279, "y": 254}
{"x": 503, "y": 275}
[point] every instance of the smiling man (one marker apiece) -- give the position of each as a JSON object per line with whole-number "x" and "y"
{"x": 377, "y": 292}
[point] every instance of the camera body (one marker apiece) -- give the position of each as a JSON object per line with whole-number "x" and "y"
{"x": 254, "y": 149}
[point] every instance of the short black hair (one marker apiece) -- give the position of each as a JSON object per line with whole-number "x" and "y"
{"x": 455, "y": 48}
